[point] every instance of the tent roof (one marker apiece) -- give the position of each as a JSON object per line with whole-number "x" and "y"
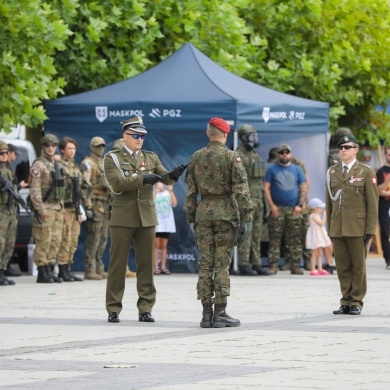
{"x": 186, "y": 76}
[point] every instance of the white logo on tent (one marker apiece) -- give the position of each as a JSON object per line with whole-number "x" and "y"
{"x": 101, "y": 113}
{"x": 266, "y": 111}
{"x": 156, "y": 113}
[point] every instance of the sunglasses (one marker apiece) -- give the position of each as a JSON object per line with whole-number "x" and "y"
{"x": 346, "y": 147}
{"x": 3, "y": 153}
{"x": 50, "y": 145}
{"x": 284, "y": 152}
{"x": 137, "y": 136}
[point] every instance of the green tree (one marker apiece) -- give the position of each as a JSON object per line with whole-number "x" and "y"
{"x": 31, "y": 32}
{"x": 330, "y": 50}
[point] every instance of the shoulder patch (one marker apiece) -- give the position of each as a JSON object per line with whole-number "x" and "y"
{"x": 238, "y": 159}
{"x": 373, "y": 180}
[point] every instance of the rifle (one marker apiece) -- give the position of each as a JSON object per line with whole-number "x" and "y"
{"x": 10, "y": 188}
{"x": 76, "y": 194}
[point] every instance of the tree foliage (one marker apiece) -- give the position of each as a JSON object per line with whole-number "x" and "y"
{"x": 328, "y": 50}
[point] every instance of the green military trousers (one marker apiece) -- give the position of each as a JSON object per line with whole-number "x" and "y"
{"x": 121, "y": 239}
{"x": 350, "y": 257}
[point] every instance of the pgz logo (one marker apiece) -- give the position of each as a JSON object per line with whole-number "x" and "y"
{"x": 172, "y": 113}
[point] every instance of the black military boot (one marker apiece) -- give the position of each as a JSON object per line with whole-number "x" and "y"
{"x": 63, "y": 273}
{"x": 4, "y": 277}
{"x": 246, "y": 270}
{"x": 43, "y": 277}
{"x": 260, "y": 270}
{"x": 49, "y": 271}
{"x": 221, "y": 318}
{"x": 207, "y": 315}
{"x": 3, "y": 280}
{"x": 75, "y": 278}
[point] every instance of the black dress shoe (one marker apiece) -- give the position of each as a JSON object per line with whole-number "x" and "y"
{"x": 113, "y": 317}
{"x": 145, "y": 317}
{"x": 246, "y": 270}
{"x": 355, "y": 310}
{"x": 344, "y": 309}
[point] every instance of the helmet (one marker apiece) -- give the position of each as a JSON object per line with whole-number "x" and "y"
{"x": 49, "y": 138}
{"x": 3, "y": 146}
{"x": 245, "y": 129}
{"x": 97, "y": 141}
{"x": 273, "y": 155}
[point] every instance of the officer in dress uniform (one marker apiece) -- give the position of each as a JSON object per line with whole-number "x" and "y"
{"x": 131, "y": 173}
{"x": 352, "y": 214}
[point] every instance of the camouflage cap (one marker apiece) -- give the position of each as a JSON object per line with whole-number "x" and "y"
{"x": 97, "y": 141}
{"x": 347, "y": 138}
{"x": 3, "y": 146}
{"x": 135, "y": 124}
{"x": 49, "y": 138}
{"x": 284, "y": 147}
{"x": 273, "y": 155}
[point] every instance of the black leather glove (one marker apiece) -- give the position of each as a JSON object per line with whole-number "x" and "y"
{"x": 151, "y": 178}
{"x": 89, "y": 213}
{"x": 367, "y": 238}
{"x": 177, "y": 172}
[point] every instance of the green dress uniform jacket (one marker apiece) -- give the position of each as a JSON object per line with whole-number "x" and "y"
{"x": 352, "y": 212}
{"x": 133, "y": 215}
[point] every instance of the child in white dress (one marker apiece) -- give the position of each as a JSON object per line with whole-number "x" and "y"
{"x": 317, "y": 237}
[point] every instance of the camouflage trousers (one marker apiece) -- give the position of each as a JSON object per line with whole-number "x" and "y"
{"x": 306, "y": 253}
{"x": 47, "y": 238}
{"x": 97, "y": 235}
{"x": 70, "y": 238}
{"x": 288, "y": 227}
{"x": 8, "y": 222}
{"x": 249, "y": 252}
{"x": 215, "y": 242}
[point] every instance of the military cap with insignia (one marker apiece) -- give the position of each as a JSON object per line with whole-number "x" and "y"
{"x": 135, "y": 124}
{"x": 347, "y": 138}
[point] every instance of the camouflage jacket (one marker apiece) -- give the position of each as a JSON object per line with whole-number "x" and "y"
{"x": 95, "y": 183}
{"x": 217, "y": 174}
{"x": 72, "y": 172}
{"x": 255, "y": 170}
{"x": 41, "y": 180}
{"x": 8, "y": 175}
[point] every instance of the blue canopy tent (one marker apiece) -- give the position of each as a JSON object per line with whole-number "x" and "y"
{"x": 176, "y": 98}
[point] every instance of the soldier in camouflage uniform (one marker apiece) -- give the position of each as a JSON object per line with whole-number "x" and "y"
{"x": 285, "y": 190}
{"x": 306, "y": 253}
{"x": 249, "y": 253}
{"x": 47, "y": 191}
{"x": 72, "y": 214}
{"x": 97, "y": 204}
{"x": 217, "y": 174}
{"x": 8, "y": 220}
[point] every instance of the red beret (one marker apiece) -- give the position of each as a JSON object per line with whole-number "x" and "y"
{"x": 220, "y": 124}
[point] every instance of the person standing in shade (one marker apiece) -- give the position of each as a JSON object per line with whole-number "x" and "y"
{"x": 8, "y": 219}
{"x": 383, "y": 176}
{"x": 249, "y": 253}
{"x": 285, "y": 190}
{"x": 218, "y": 176}
{"x": 72, "y": 215}
{"x": 164, "y": 199}
{"x": 97, "y": 202}
{"x": 47, "y": 193}
{"x": 352, "y": 215}
{"x": 131, "y": 173}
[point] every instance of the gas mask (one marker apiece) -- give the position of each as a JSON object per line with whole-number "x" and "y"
{"x": 250, "y": 141}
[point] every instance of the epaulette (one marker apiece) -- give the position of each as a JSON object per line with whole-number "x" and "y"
{"x": 365, "y": 165}
{"x": 148, "y": 151}
{"x": 335, "y": 166}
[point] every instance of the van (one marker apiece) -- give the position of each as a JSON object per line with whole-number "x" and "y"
{"x": 26, "y": 155}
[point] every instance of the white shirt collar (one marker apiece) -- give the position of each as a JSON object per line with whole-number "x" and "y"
{"x": 349, "y": 165}
{"x": 130, "y": 151}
